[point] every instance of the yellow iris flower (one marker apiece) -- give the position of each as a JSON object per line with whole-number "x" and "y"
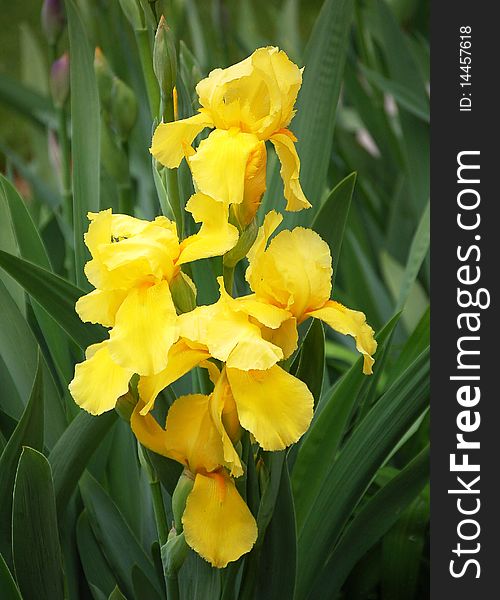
{"x": 133, "y": 264}
{"x": 246, "y": 104}
{"x": 250, "y": 338}
{"x": 216, "y": 521}
{"x": 294, "y": 273}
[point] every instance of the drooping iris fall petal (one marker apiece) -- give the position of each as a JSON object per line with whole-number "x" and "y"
{"x": 99, "y": 381}
{"x": 350, "y": 322}
{"x": 145, "y": 329}
{"x": 273, "y": 405}
{"x": 218, "y": 524}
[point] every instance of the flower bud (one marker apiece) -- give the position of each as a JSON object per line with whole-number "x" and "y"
{"x": 179, "y": 497}
{"x": 104, "y": 77}
{"x": 165, "y": 58}
{"x": 52, "y": 17}
{"x": 245, "y": 242}
{"x": 123, "y": 108}
{"x": 183, "y": 293}
{"x": 173, "y": 554}
{"x": 59, "y": 80}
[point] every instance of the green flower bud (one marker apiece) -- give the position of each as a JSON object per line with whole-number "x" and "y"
{"x": 59, "y": 80}
{"x": 173, "y": 554}
{"x": 123, "y": 108}
{"x": 104, "y": 76}
{"x": 165, "y": 58}
{"x": 245, "y": 242}
{"x": 179, "y": 497}
{"x": 52, "y": 18}
{"x": 183, "y": 293}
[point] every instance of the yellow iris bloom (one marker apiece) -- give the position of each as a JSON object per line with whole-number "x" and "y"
{"x": 133, "y": 264}
{"x": 250, "y": 338}
{"x": 294, "y": 273}
{"x": 246, "y": 104}
{"x": 217, "y": 523}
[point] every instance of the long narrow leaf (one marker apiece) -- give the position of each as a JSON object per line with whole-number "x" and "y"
{"x": 85, "y": 131}
{"x": 35, "y": 538}
{"x": 57, "y": 296}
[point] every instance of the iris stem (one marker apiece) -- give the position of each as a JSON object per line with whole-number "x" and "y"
{"x": 228, "y": 274}
{"x": 171, "y": 175}
{"x": 146, "y": 58}
{"x": 172, "y": 587}
{"x": 159, "y": 510}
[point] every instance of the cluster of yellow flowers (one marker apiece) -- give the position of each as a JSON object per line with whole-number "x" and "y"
{"x": 241, "y": 341}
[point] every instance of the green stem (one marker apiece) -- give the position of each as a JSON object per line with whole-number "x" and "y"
{"x": 172, "y": 588}
{"x": 172, "y": 185}
{"x": 171, "y": 175}
{"x": 67, "y": 196}
{"x": 228, "y": 274}
{"x": 146, "y": 58}
{"x": 159, "y": 510}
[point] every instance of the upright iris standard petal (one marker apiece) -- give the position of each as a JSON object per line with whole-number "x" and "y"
{"x": 99, "y": 381}
{"x": 218, "y": 524}
{"x": 145, "y": 329}
{"x": 273, "y": 405}
{"x": 350, "y": 322}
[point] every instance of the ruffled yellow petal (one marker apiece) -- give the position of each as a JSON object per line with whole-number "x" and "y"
{"x": 216, "y": 235}
{"x": 350, "y": 322}
{"x": 145, "y": 329}
{"x": 99, "y": 231}
{"x": 182, "y": 357}
{"x": 267, "y": 314}
{"x": 290, "y": 169}
{"x": 99, "y": 381}
{"x": 285, "y": 336}
{"x": 100, "y": 306}
{"x": 169, "y": 139}
{"x": 294, "y": 272}
{"x": 285, "y": 76}
{"x": 225, "y": 418}
{"x": 229, "y": 335}
{"x": 220, "y": 164}
{"x": 191, "y": 436}
{"x": 218, "y": 524}
{"x": 274, "y": 406}
{"x": 271, "y": 222}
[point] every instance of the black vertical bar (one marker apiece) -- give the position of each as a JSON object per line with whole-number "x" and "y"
{"x": 465, "y": 119}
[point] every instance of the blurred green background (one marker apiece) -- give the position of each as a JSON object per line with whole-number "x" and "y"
{"x": 381, "y": 133}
